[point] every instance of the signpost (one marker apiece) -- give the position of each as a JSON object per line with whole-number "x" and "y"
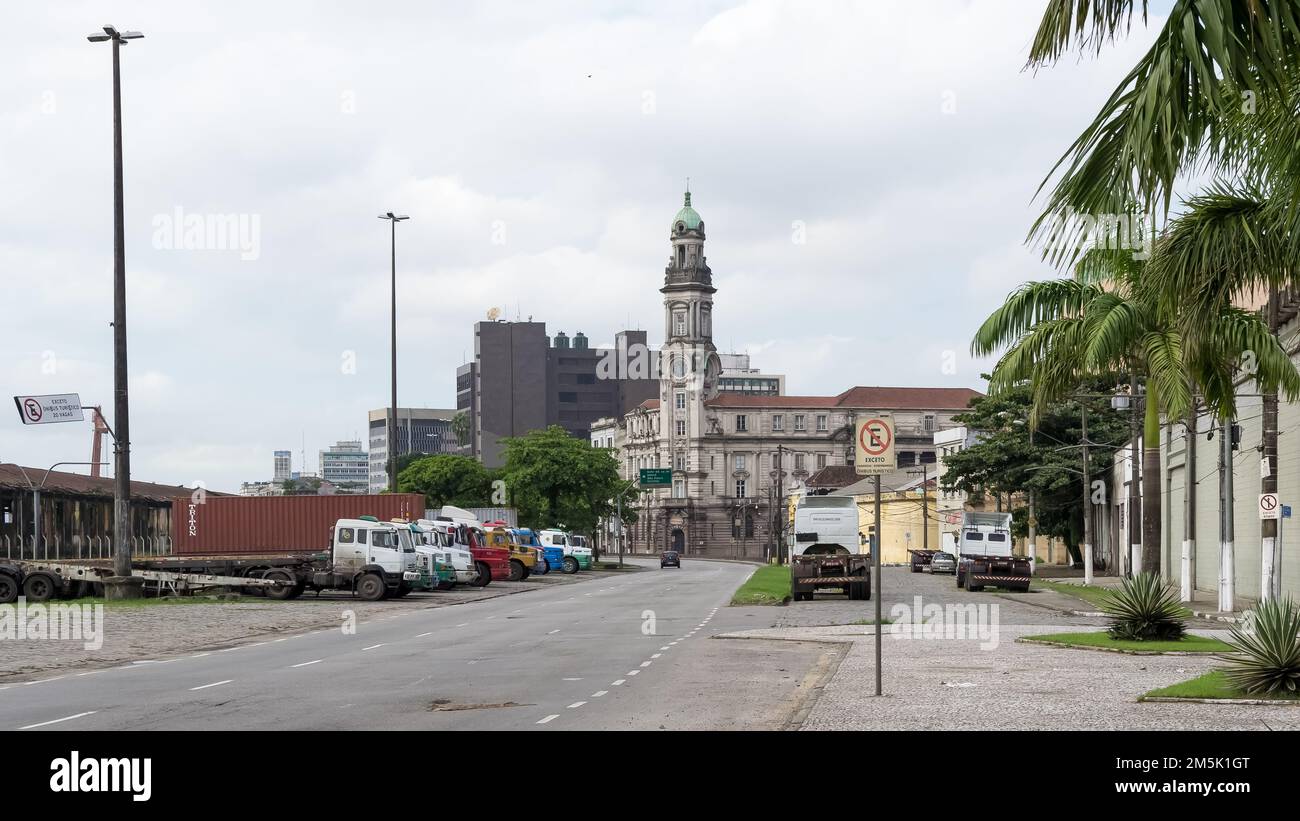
{"x": 55, "y": 407}
{"x": 873, "y": 454}
{"x": 656, "y": 477}
{"x": 1269, "y": 507}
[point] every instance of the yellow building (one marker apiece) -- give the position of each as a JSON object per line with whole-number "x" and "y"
{"x": 906, "y": 513}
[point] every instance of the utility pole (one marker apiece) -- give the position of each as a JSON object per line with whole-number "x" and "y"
{"x": 390, "y": 427}
{"x": 1087, "y": 503}
{"x": 1226, "y": 524}
{"x": 1270, "y": 555}
{"x": 121, "y": 423}
{"x": 1134, "y": 496}
{"x": 1188, "y": 570}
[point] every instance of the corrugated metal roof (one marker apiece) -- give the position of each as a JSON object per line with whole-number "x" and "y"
{"x": 77, "y": 484}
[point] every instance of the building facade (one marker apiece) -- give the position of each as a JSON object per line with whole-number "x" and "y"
{"x": 735, "y": 456}
{"x": 419, "y": 430}
{"x": 346, "y": 466}
{"x": 283, "y": 465}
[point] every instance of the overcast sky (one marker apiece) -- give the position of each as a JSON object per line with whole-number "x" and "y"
{"x": 866, "y": 173}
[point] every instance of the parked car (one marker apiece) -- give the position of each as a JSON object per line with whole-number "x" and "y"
{"x": 942, "y": 562}
{"x": 670, "y": 558}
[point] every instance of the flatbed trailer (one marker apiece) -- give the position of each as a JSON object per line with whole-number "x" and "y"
{"x": 40, "y": 581}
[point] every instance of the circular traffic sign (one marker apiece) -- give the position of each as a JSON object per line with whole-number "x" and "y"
{"x": 32, "y": 409}
{"x": 1268, "y": 501}
{"x": 875, "y": 437}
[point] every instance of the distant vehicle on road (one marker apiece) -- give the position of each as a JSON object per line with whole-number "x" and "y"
{"x": 670, "y": 558}
{"x": 943, "y": 562}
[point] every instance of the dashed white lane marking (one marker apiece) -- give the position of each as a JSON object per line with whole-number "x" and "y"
{"x": 573, "y": 679}
{"x": 42, "y": 681}
{"x": 200, "y": 655}
{"x": 422, "y": 635}
{"x": 599, "y": 693}
{"x": 258, "y": 644}
{"x": 57, "y": 720}
{"x": 619, "y": 683}
{"x": 213, "y": 684}
{"x": 89, "y": 673}
{"x": 305, "y": 663}
{"x": 549, "y": 718}
{"x": 656, "y": 655}
{"x": 665, "y": 647}
{"x": 462, "y": 624}
{"x": 575, "y": 705}
{"x": 646, "y": 663}
{"x": 277, "y": 641}
{"x": 371, "y": 647}
{"x": 632, "y": 672}
{"x": 553, "y": 632}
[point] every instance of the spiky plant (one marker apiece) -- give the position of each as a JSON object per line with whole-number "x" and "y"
{"x": 1144, "y": 609}
{"x": 1267, "y": 657}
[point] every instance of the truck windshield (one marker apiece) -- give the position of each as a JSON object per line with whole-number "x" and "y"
{"x": 383, "y": 538}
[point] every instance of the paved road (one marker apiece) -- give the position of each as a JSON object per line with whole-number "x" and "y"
{"x": 619, "y": 651}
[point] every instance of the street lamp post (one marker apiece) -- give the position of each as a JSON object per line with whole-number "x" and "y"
{"x": 391, "y": 422}
{"x": 122, "y": 443}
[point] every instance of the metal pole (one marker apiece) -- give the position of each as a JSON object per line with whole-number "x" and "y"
{"x": 121, "y": 422}
{"x": 1134, "y": 497}
{"x": 1188, "y": 572}
{"x": 1087, "y": 504}
{"x": 1226, "y": 523}
{"x": 36, "y": 523}
{"x": 925, "y": 509}
{"x": 392, "y": 409}
{"x": 1033, "y": 533}
{"x": 876, "y": 550}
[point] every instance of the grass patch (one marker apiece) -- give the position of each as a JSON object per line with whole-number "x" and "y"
{"x": 1091, "y": 594}
{"x": 1213, "y": 684}
{"x": 868, "y": 622}
{"x": 768, "y": 585}
{"x": 1188, "y": 644}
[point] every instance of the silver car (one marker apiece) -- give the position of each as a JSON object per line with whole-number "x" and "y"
{"x": 943, "y": 563}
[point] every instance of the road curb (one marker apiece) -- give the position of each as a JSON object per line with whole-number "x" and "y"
{"x": 1257, "y": 702}
{"x": 1062, "y": 645}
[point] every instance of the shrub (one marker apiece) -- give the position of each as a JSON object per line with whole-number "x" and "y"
{"x": 1144, "y": 609}
{"x": 1267, "y": 657}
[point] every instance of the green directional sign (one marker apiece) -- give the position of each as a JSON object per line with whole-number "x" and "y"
{"x": 656, "y": 477}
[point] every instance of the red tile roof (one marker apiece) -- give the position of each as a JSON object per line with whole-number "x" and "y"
{"x": 78, "y": 484}
{"x": 873, "y": 398}
{"x": 650, "y": 404}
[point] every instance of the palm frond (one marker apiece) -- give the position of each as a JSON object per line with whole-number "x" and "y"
{"x": 1089, "y": 23}
{"x": 1027, "y": 306}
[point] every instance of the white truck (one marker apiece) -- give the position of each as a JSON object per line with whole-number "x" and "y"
{"x": 824, "y": 549}
{"x": 576, "y": 557}
{"x": 984, "y": 555}
{"x": 440, "y": 537}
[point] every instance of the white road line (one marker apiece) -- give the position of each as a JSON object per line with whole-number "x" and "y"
{"x": 89, "y": 673}
{"x": 258, "y": 644}
{"x": 665, "y": 647}
{"x": 573, "y": 679}
{"x": 549, "y": 718}
{"x": 57, "y": 720}
{"x": 200, "y": 655}
{"x": 277, "y": 641}
{"x": 619, "y": 683}
{"x": 213, "y": 684}
{"x": 462, "y": 624}
{"x": 575, "y": 705}
{"x": 599, "y": 693}
{"x": 371, "y": 647}
{"x": 656, "y": 655}
{"x": 553, "y": 632}
{"x": 633, "y": 672}
{"x": 422, "y": 635}
{"x": 646, "y": 663}
{"x": 305, "y": 663}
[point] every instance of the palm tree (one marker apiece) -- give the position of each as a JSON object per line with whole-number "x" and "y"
{"x": 1106, "y": 320}
{"x": 1209, "y": 59}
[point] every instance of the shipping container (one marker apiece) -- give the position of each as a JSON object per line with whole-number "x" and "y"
{"x": 259, "y": 525}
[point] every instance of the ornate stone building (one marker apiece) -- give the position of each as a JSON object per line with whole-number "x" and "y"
{"x": 733, "y": 456}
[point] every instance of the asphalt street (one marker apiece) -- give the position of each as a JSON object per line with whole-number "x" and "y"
{"x": 618, "y": 651}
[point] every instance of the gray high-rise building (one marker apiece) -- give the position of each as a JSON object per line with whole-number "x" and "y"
{"x": 346, "y": 466}
{"x": 522, "y": 381}
{"x": 418, "y": 430}
{"x": 283, "y": 465}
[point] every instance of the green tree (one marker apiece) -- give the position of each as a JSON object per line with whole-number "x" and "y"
{"x": 1009, "y": 459}
{"x": 460, "y": 428}
{"x": 447, "y": 479}
{"x": 554, "y": 479}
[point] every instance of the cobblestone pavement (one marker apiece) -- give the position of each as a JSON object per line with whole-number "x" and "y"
{"x": 140, "y": 632}
{"x": 967, "y": 683}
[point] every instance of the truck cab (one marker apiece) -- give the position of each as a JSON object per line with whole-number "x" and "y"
{"x": 551, "y": 557}
{"x": 575, "y": 557}
{"x": 440, "y": 536}
{"x": 522, "y": 559}
{"x": 824, "y": 550}
{"x": 431, "y": 562}
{"x": 984, "y": 555}
{"x": 492, "y": 563}
{"x": 371, "y": 554}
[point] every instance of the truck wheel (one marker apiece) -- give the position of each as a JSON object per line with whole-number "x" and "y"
{"x": 916, "y": 568}
{"x": 38, "y": 588}
{"x": 570, "y": 565}
{"x": 866, "y": 591}
{"x": 8, "y": 589}
{"x": 541, "y": 568}
{"x": 402, "y": 590}
{"x": 517, "y": 571}
{"x": 484, "y": 575}
{"x": 370, "y": 587}
{"x": 285, "y": 591}
{"x": 972, "y": 587}
{"x": 961, "y": 579}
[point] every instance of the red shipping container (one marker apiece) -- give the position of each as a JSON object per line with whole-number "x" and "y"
{"x": 255, "y": 525}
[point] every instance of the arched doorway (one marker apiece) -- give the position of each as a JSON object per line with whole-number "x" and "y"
{"x": 679, "y": 540}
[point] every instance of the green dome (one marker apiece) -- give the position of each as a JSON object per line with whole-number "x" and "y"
{"x": 687, "y": 215}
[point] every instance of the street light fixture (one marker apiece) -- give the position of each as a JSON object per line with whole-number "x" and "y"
{"x": 122, "y": 442}
{"x": 391, "y": 425}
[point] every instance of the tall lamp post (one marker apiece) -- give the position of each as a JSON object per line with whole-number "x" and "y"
{"x": 122, "y": 444}
{"x": 391, "y": 423}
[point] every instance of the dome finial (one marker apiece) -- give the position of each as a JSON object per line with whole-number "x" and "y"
{"x": 688, "y": 191}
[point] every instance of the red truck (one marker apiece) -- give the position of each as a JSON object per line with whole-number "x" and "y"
{"x": 493, "y": 562}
